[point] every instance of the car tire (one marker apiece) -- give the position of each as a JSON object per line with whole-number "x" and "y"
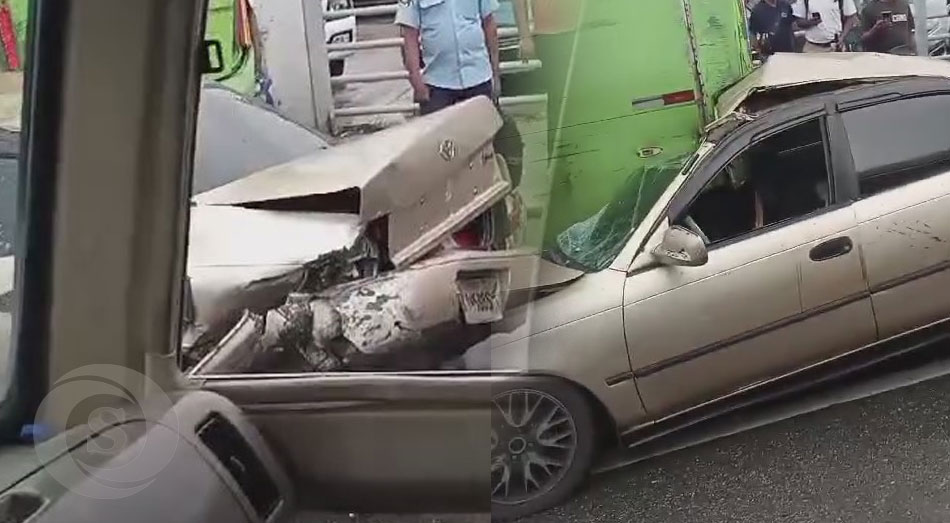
{"x": 564, "y": 410}
{"x": 337, "y": 67}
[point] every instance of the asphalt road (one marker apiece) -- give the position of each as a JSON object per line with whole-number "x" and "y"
{"x": 882, "y": 458}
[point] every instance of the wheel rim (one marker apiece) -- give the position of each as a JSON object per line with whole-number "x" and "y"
{"x": 533, "y": 440}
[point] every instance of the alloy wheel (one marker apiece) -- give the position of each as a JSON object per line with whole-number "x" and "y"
{"x": 533, "y": 441}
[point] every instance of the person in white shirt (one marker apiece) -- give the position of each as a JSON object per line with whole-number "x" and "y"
{"x": 825, "y": 22}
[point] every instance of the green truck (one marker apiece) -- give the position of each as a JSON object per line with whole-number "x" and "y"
{"x": 643, "y": 81}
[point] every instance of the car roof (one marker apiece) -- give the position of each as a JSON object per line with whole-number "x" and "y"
{"x": 789, "y": 70}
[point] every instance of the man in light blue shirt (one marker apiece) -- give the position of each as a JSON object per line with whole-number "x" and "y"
{"x": 450, "y": 48}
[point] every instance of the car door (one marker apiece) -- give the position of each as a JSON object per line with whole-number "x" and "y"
{"x": 902, "y": 163}
{"x": 774, "y": 292}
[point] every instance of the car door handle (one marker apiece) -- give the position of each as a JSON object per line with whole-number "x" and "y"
{"x": 831, "y": 249}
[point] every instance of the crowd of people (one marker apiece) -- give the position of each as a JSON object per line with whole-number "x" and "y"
{"x": 883, "y": 26}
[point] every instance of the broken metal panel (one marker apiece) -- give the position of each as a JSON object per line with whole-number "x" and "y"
{"x": 417, "y": 229}
{"x": 391, "y": 167}
{"x": 411, "y": 319}
{"x": 428, "y": 177}
{"x": 236, "y": 237}
{"x": 789, "y": 69}
{"x": 235, "y": 352}
{"x": 381, "y": 314}
{"x": 389, "y": 312}
{"x": 220, "y": 294}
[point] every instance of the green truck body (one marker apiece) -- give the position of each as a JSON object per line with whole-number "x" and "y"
{"x": 643, "y": 80}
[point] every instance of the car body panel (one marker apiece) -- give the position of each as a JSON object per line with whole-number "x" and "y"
{"x": 905, "y": 237}
{"x": 575, "y": 333}
{"x": 776, "y": 296}
{"x": 792, "y": 69}
{"x": 254, "y": 268}
{"x": 429, "y": 176}
{"x": 411, "y": 319}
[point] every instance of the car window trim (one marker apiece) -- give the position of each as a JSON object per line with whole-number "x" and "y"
{"x": 776, "y": 226}
{"x": 41, "y": 120}
{"x": 839, "y": 154}
{"x": 753, "y": 140}
{"x": 854, "y": 178}
{"x": 732, "y": 146}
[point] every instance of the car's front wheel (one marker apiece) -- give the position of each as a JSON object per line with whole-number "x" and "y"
{"x": 542, "y": 447}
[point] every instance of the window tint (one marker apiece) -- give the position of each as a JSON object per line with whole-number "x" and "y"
{"x": 780, "y": 178}
{"x": 899, "y": 142}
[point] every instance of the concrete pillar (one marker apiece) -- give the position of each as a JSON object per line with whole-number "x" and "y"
{"x": 295, "y": 58}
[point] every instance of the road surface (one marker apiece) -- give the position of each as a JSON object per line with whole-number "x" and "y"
{"x": 881, "y": 458}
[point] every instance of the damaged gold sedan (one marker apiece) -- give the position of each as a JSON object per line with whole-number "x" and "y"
{"x": 368, "y": 256}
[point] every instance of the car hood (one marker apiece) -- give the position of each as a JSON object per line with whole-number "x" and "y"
{"x": 424, "y": 179}
{"x": 790, "y": 69}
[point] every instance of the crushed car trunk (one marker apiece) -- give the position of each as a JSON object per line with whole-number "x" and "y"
{"x": 281, "y": 246}
{"x": 423, "y": 180}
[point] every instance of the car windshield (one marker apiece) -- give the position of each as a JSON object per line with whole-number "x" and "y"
{"x": 591, "y": 245}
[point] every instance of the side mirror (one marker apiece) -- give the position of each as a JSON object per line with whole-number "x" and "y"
{"x": 681, "y": 246}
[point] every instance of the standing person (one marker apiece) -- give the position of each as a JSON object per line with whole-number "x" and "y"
{"x": 825, "y": 22}
{"x": 889, "y": 26}
{"x": 771, "y": 26}
{"x": 552, "y": 41}
{"x": 450, "y": 48}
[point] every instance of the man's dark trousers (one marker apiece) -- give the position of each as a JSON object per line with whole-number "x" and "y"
{"x": 440, "y": 98}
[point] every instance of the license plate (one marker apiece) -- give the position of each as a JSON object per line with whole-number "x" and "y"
{"x": 483, "y": 299}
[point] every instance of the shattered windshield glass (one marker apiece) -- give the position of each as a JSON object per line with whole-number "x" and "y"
{"x": 592, "y": 244}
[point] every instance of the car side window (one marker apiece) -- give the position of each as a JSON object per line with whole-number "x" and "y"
{"x": 899, "y": 142}
{"x": 780, "y": 178}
